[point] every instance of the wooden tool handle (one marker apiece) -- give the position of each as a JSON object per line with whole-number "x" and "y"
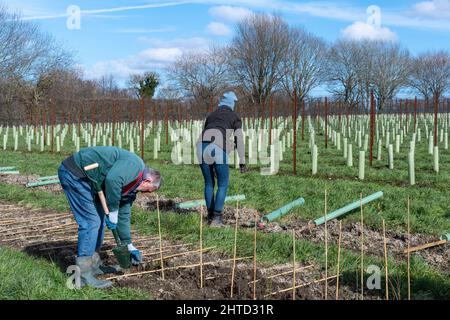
{"x": 426, "y": 246}
{"x": 101, "y": 195}
{"x": 91, "y": 167}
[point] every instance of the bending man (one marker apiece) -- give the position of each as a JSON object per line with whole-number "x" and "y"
{"x": 120, "y": 175}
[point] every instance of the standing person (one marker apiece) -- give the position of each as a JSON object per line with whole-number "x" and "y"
{"x": 120, "y": 175}
{"x": 213, "y": 149}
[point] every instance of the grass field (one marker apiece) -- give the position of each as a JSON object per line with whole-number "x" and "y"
{"x": 430, "y": 212}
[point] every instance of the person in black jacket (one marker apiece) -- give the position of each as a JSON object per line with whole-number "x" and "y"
{"x": 221, "y": 134}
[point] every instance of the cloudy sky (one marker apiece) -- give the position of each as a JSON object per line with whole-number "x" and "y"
{"x": 122, "y": 37}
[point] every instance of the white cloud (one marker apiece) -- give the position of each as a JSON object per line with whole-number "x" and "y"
{"x": 193, "y": 43}
{"x": 159, "y": 54}
{"x": 229, "y": 13}
{"x": 364, "y": 31}
{"x": 435, "y": 9}
{"x": 218, "y": 29}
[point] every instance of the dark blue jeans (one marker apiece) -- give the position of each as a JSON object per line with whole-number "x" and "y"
{"x": 88, "y": 212}
{"x": 214, "y": 164}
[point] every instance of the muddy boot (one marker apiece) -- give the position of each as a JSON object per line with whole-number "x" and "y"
{"x": 216, "y": 221}
{"x": 98, "y": 268}
{"x": 210, "y": 216}
{"x": 87, "y": 277}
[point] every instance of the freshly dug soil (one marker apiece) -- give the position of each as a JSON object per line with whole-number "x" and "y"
{"x": 397, "y": 242}
{"x": 59, "y": 245}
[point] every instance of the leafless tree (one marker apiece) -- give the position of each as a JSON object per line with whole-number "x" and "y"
{"x": 257, "y": 52}
{"x": 430, "y": 74}
{"x": 391, "y": 68}
{"x": 304, "y": 64}
{"x": 200, "y": 75}
{"x": 342, "y": 72}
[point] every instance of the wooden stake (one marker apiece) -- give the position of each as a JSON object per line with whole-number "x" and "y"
{"x": 362, "y": 251}
{"x": 338, "y": 260}
{"x": 385, "y": 262}
{"x": 201, "y": 247}
{"x": 234, "y": 250}
{"x": 160, "y": 237}
{"x": 326, "y": 246}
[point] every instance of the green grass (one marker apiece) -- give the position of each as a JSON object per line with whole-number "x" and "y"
{"x": 23, "y": 277}
{"x": 430, "y": 209}
{"x": 273, "y": 248}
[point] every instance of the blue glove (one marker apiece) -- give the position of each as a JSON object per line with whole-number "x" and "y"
{"x": 112, "y": 219}
{"x": 136, "y": 256}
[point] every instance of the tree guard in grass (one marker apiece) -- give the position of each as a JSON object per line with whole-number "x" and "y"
{"x": 42, "y": 183}
{"x": 345, "y": 148}
{"x": 391, "y": 157}
{"x": 274, "y": 215}
{"x": 362, "y": 158}
{"x": 350, "y": 156}
{"x": 198, "y": 203}
{"x": 411, "y": 169}
{"x": 314, "y": 159}
{"x": 436, "y": 159}
{"x": 446, "y": 237}
{"x": 7, "y": 169}
{"x": 344, "y": 210}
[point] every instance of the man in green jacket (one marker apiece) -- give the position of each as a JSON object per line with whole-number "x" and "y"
{"x": 120, "y": 175}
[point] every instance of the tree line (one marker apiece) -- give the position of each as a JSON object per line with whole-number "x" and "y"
{"x": 266, "y": 59}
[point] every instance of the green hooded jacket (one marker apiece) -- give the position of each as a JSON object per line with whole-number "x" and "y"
{"x": 117, "y": 168}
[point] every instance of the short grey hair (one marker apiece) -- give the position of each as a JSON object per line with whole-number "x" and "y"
{"x": 155, "y": 176}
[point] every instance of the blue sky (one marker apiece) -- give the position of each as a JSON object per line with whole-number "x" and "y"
{"x": 122, "y": 37}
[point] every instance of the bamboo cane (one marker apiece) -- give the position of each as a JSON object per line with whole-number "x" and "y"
{"x": 326, "y": 246}
{"x": 160, "y": 237}
{"x": 285, "y": 273}
{"x": 425, "y": 246}
{"x": 294, "y": 282}
{"x": 301, "y": 286}
{"x": 254, "y": 258}
{"x": 338, "y": 260}
{"x": 233, "y": 271}
{"x": 173, "y": 268}
{"x": 409, "y": 254}
{"x": 362, "y": 251}
{"x": 180, "y": 254}
{"x": 385, "y": 261}
{"x": 201, "y": 247}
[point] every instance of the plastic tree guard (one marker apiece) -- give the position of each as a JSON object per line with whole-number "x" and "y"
{"x": 8, "y": 172}
{"x": 197, "y": 203}
{"x": 342, "y": 211}
{"x": 446, "y": 237}
{"x": 274, "y": 215}
{"x": 48, "y": 178}
{"x": 42, "y": 183}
